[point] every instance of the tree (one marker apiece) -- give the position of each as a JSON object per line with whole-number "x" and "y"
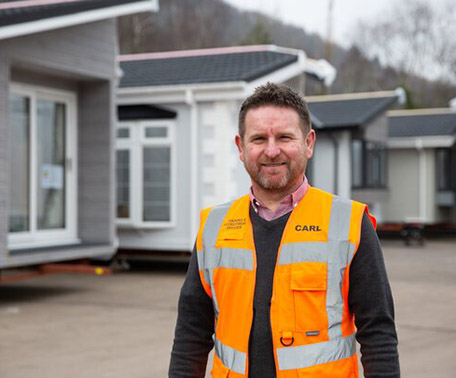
{"x": 384, "y": 59}
{"x": 258, "y": 34}
{"x": 414, "y": 37}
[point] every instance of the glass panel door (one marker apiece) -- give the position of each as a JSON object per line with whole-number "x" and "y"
{"x": 51, "y": 129}
{"x": 123, "y": 183}
{"x": 19, "y": 206}
{"x": 157, "y": 184}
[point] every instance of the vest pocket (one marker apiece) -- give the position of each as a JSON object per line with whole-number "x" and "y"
{"x": 308, "y": 284}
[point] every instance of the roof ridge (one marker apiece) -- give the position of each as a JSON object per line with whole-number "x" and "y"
{"x": 350, "y": 96}
{"x": 418, "y": 112}
{"x": 32, "y": 3}
{"x": 195, "y": 52}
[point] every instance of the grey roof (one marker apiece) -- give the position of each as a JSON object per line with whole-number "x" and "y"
{"x": 348, "y": 112}
{"x": 19, "y": 15}
{"x": 211, "y": 68}
{"x": 422, "y": 125}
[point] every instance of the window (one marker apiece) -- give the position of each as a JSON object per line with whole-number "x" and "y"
{"x": 19, "y": 209}
{"x": 446, "y": 177}
{"x": 375, "y": 165}
{"x": 368, "y": 164}
{"x": 123, "y": 183}
{"x": 42, "y": 196}
{"x": 357, "y": 163}
{"x": 145, "y": 169}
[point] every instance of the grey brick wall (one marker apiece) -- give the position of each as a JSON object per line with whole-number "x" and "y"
{"x": 96, "y": 162}
{"x": 377, "y": 129}
{"x": 82, "y": 59}
{"x": 42, "y": 79}
{"x": 86, "y": 51}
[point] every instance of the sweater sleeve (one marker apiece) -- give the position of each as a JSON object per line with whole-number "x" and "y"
{"x": 370, "y": 300}
{"x": 194, "y": 327}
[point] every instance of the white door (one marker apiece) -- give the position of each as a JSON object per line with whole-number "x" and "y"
{"x": 42, "y": 200}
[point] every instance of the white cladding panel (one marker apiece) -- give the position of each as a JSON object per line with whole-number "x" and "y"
{"x": 323, "y": 164}
{"x": 177, "y": 237}
{"x": 344, "y": 164}
{"x": 413, "y": 187}
{"x": 221, "y": 180}
{"x": 430, "y": 186}
{"x": 403, "y": 183}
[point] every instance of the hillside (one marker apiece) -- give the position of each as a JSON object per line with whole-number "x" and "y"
{"x": 191, "y": 24}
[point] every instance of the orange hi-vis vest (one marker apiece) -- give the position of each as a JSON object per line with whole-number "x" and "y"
{"x": 313, "y": 332}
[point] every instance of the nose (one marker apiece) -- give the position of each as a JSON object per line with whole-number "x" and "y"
{"x": 272, "y": 149}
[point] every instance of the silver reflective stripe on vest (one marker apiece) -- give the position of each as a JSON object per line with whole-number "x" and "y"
{"x": 317, "y": 252}
{"x": 234, "y": 258}
{"x": 303, "y": 252}
{"x": 338, "y": 253}
{"x": 210, "y": 232}
{"x": 339, "y": 222}
{"x": 304, "y": 356}
{"x": 213, "y": 223}
{"x": 231, "y": 358}
{"x": 351, "y": 253}
{"x": 200, "y": 256}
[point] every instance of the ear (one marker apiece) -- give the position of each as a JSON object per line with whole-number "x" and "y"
{"x": 240, "y": 146}
{"x": 310, "y": 143}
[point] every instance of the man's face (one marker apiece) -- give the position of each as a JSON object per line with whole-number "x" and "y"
{"x": 274, "y": 150}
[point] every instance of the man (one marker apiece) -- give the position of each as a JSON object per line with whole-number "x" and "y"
{"x": 280, "y": 277}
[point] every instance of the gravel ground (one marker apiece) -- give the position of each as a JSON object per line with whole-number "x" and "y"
{"x": 69, "y": 325}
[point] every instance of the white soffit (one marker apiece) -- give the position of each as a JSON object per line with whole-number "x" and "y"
{"x": 77, "y": 18}
{"x": 422, "y": 142}
{"x": 162, "y": 94}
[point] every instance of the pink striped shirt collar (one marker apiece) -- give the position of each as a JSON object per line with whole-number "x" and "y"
{"x": 286, "y": 205}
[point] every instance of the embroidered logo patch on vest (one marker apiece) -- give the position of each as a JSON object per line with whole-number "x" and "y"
{"x": 232, "y": 229}
{"x": 306, "y": 227}
{"x": 234, "y": 224}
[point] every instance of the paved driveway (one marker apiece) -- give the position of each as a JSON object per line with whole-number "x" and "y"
{"x": 122, "y": 325}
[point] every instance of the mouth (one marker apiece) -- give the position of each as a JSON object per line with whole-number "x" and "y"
{"x": 273, "y": 168}
{"x": 272, "y": 165}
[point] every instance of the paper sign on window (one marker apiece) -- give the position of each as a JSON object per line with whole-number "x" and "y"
{"x": 51, "y": 176}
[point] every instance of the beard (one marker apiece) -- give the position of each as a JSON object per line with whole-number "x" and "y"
{"x": 293, "y": 173}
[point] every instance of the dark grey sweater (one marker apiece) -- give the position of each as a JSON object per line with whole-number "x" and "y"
{"x": 369, "y": 299}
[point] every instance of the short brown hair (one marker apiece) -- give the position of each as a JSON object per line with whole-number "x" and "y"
{"x": 278, "y": 95}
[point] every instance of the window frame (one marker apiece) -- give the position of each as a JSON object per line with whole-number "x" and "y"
{"x": 380, "y": 150}
{"x": 125, "y": 144}
{"x": 35, "y": 238}
{"x": 450, "y": 175}
{"x": 136, "y": 143}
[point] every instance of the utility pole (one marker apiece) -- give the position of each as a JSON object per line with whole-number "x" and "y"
{"x": 328, "y": 45}
{"x": 329, "y": 22}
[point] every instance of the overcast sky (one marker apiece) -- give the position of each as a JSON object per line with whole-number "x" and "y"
{"x": 312, "y": 14}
